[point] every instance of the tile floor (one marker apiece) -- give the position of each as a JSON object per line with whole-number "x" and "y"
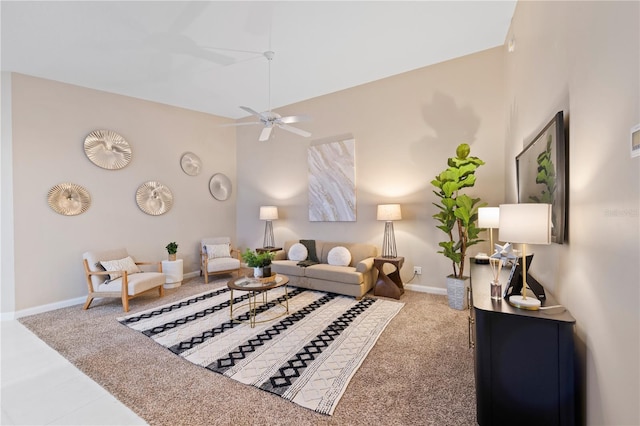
{"x": 40, "y": 387}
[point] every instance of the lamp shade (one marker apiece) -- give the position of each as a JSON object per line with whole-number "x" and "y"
{"x": 389, "y": 212}
{"x": 528, "y": 223}
{"x": 268, "y": 213}
{"x": 489, "y": 217}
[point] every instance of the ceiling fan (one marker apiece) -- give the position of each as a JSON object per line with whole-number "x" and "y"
{"x": 270, "y": 119}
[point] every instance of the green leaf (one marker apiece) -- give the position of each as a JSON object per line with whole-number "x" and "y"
{"x": 463, "y": 150}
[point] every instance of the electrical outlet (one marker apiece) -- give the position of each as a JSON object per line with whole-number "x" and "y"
{"x": 417, "y": 270}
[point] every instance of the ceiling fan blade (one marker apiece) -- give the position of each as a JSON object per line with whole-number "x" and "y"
{"x": 187, "y": 16}
{"x": 265, "y": 134}
{"x": 252, "y": 111}
{"x": 295, "y": 130}
{"x": 247, "y": 123}
{"x": 294, "y": 119}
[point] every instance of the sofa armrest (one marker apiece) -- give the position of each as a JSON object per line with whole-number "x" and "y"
{"x": 280, "y": 255}
{"x": 365, "y": 265}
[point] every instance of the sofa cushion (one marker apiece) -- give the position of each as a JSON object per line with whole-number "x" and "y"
{"x": 136, "y": 283}
{"x": 298, "y": 252}
{"x": 222, "y": 264}
{"x": 287, "y": 267}
{"x": 339, "y": 256}
{"x": 343, "y": 274}
{"x": 93, "y": 259}
{"x": 359, "y": 251}
{"x": 115, "y": 267}
{"x": 215, "y": 251}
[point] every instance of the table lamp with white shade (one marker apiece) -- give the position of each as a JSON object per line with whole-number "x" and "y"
{"x": 489, "y": 217}
{"x": 268, "y": 213}
{"x": 525, "y": 223}
{"x": 389, "y": 213}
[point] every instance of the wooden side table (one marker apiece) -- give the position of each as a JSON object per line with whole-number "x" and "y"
{"x": 388, "y": 285}
{"x": 173, "y": 271}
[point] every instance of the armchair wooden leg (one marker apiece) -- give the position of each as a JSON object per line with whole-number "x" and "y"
{"x": 125, "y": 303}
{"x": 206, "y": 277}
{"x": 87, "y": 303}
{"x": 161, "y": 290}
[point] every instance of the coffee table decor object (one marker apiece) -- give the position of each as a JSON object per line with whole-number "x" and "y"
{"x": 307, "y": 357}
{"x": 69, "y": 199}
{"x": 154, "y": 198}
{"x": 220, "y": 187}
{"x": 190, "y": 164}
{"x": 107, "y": 149}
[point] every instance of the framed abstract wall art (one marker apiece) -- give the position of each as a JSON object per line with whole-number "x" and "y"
{"x": 541, "y": 172}
{"x": 332, "y": 182}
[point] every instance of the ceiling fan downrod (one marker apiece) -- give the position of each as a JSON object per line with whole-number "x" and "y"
{"x": 269, "y": 54}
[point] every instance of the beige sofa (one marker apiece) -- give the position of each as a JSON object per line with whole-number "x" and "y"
{"x": 353, "y": 280}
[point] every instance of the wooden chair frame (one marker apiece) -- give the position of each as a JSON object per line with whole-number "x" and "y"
{"x": 124, "y": 293}
{"x": 204, "y": 265}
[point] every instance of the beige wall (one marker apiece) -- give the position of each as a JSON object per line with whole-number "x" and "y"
{"x": 405, "y": 128}
{"x": 50, "y": 122}
{"x": 583, "y": 58}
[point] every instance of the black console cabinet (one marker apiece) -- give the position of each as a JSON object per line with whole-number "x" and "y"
{"x": 524, "y": 360}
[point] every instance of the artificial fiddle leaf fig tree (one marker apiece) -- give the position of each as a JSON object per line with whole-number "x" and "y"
{"x": 458, "y": 212}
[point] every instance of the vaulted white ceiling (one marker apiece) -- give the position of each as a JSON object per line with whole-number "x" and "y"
{"x": 207, "y": 56}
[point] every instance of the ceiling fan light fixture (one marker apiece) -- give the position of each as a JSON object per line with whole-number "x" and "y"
{"x": 270, "y": 119}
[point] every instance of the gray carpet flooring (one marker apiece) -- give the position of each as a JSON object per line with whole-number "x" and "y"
{"x": 420, "y": 372}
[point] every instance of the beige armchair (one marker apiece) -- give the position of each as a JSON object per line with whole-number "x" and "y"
{"x": 113, "y": 273}
{"x": 218, "y": 257}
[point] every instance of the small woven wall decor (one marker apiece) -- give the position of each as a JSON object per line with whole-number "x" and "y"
{"x": 107, "y": 149}
{"x": 190, "y": 164}
{"x": 69, "y": 199}
{"x": 220, "y": 186}
{"x": 154, "y": 198}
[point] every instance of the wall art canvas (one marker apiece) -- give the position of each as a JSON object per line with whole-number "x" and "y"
{"x": 541, "y": 174}
{"x": 332, "y": 182}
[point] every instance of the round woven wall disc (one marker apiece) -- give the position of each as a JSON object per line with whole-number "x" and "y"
{"x": 69, "y": 199}
{"x": 220, "y": 187}
{"x": 154, "y": 198}
{"x": 107, "y": 149}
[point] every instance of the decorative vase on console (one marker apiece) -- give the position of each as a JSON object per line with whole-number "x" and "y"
{"x": 502, "y": 255}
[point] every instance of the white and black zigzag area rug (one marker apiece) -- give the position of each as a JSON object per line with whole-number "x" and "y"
{"x": 307, "y": 357}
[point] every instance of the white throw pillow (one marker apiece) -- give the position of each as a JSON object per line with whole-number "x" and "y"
{"x": 126, "y": 264}
{"x": 215, "y": 251}
{"x": 339, "y": 256}
{"x": 298, "y": 252}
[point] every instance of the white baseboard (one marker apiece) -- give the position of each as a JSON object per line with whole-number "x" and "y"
{"x": 43, "y": 308}
{"x": 8, "y": 316}
{"x": 426, "y": 289}
{"x": 191, "y": 274}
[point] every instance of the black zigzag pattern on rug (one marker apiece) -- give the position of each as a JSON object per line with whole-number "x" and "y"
{"x": 293, "y": 368}
{"x": 206, "y": 335}
{"x": 192, "y": 317}
{"x": 223, "y": 364}
{"x": 169, "y": 308}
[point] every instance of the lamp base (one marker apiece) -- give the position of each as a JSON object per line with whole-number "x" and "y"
{"x": 530, "y": 303}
